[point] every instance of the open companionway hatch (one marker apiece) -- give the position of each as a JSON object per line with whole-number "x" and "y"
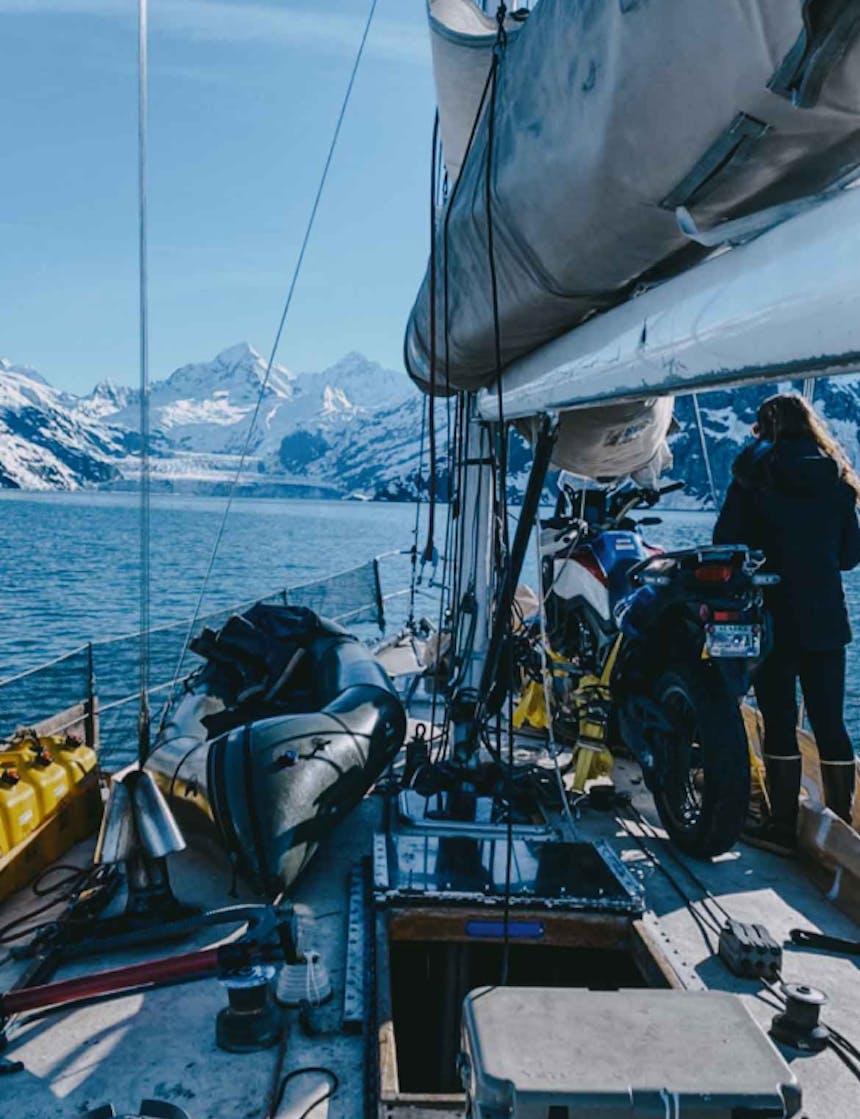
{"x": 573, "y": 918}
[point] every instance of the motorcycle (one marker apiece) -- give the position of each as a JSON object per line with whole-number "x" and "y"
{"x": 653, "y": 651}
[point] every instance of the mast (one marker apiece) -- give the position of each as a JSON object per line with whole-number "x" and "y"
{"x": 143, "y": 714}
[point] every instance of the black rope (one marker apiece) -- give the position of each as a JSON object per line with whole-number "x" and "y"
{"x": 460, "y": 497}
{"x": 500, "y": 479}
{"x": 334, "y": 1084}
{"x": 73, "y": 882}
{"x": 418, "y": 488}
{"x": 275, "y": 345}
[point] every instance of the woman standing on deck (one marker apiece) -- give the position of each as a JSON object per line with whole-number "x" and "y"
{"x": 794, "y": 496}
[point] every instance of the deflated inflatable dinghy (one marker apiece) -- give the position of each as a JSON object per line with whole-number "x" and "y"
{"x": 281, "y": 734}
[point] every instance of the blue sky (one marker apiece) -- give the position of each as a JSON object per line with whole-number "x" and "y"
{"x": 243, "y": 99}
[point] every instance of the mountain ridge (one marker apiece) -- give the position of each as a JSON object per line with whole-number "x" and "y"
{"x": 352, "y": 429}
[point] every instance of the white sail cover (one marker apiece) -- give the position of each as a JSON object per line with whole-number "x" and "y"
{"x": 462, "y": 38}
{"x": 615, "y": 440}
{"x": 611, "y": 114}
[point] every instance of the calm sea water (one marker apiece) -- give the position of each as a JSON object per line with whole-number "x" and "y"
{"x": 69, "y": 563}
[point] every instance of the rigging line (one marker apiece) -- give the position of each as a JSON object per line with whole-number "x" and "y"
{"x": 546, "y": 679}
{"x": 501, "y": 489}
{"x": 143, "y": 295}
{"x": 706, "y": 457}
{"x": 281, "y": 324}
{"x": 649, "y": 830}
{"x": 462, "y": 407}
{"x": 431, "y": 422}
{"x": 418, "y": 487}
{"x": 499, "y": 453}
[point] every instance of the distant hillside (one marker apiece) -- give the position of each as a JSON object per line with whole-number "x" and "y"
{"x": 353, "y": 429}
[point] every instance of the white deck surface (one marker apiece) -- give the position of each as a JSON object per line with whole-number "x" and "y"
{"x": 162, "y": 1043}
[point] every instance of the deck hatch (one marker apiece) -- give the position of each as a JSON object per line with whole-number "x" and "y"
{"x": 461, "y": 868}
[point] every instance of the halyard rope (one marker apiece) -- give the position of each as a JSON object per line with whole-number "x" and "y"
{"x": 285, "y": 312}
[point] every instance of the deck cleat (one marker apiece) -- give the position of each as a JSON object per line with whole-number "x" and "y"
{"x": 251, "y": 1021}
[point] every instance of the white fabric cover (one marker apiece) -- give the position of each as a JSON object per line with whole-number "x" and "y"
{"x": 462, "y": 38}
{"x": 609, "y": 114}
{"x": 615, "y": 440}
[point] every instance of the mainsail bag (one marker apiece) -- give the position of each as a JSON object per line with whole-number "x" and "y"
{"x": 609, "y": 116}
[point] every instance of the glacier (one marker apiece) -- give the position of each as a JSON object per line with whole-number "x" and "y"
{"x": 351, "y": 430}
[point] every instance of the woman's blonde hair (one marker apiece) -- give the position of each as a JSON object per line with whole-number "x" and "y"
{"x": 788, "y": 415}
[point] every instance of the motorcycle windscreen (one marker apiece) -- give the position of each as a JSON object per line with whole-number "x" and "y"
{"x": 608, "y": 117}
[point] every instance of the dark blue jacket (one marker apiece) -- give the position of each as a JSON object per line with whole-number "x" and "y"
{"x": 788, "y": 500}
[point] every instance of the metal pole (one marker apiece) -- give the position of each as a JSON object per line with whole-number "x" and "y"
{"x": 544, "y": 443}
{"x": 475, "y": 508}
{"x": 90, "y": 718}
{"x": 705, "y": 456}
{"x": 143, "y": 714}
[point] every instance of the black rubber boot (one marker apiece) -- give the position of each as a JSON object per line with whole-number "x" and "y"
{"x": 777, "y": 832}
{"x": 837, "y": 782}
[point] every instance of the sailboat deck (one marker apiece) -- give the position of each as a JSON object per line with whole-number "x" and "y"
{"x": 161, "y": 1043}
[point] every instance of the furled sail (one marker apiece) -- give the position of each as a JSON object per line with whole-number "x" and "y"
{"x": 609, "y": 117}
{"x": 462, "y": 38}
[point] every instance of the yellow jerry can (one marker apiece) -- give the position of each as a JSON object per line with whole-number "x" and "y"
{"x": 73, "y": 755}
{"x": 49, "y": 780}
{"x": 19, "y": 811}
{"x": 51, "y": 784}
{"x": 79, "y": 762}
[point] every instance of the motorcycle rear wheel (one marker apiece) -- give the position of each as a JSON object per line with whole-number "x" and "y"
{"x": 703, "y": 790}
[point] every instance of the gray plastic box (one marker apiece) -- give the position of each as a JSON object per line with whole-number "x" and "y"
{"x": 553, "y": 1053}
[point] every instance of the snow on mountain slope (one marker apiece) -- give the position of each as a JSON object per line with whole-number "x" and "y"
{"x": 352, "y": 428}
{"x": 208, "y": 406}
{"x": 45, "y": 445}
{"x": 727, "y": 419}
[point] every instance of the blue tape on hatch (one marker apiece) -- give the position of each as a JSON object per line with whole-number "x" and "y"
{"x": 517, "y": 930}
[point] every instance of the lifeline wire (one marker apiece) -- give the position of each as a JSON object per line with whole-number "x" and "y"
{"x": 705, "y": 455}
{"x": 143, "y": 714}
{"x": 285, "y": 312}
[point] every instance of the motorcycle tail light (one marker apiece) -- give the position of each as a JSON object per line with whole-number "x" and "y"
{"x": 726, "y": 615}
{"x": 714, "y": 573}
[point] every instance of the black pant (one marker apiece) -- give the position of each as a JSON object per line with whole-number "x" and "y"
{"x": 822, "y": 680}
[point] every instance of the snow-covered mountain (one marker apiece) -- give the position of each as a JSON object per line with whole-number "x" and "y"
{"x": 200, "y": 417}
{"x": 727, "y": 417}
{"x": 354, "y": 428}
{"x": 45, "y": 443}
{"x": 207, "y": 407}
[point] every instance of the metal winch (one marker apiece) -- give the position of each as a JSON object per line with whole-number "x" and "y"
{"x": 251, "y": 1021}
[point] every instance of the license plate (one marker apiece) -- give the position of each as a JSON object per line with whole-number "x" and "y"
{"x": 733, "y": 641}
